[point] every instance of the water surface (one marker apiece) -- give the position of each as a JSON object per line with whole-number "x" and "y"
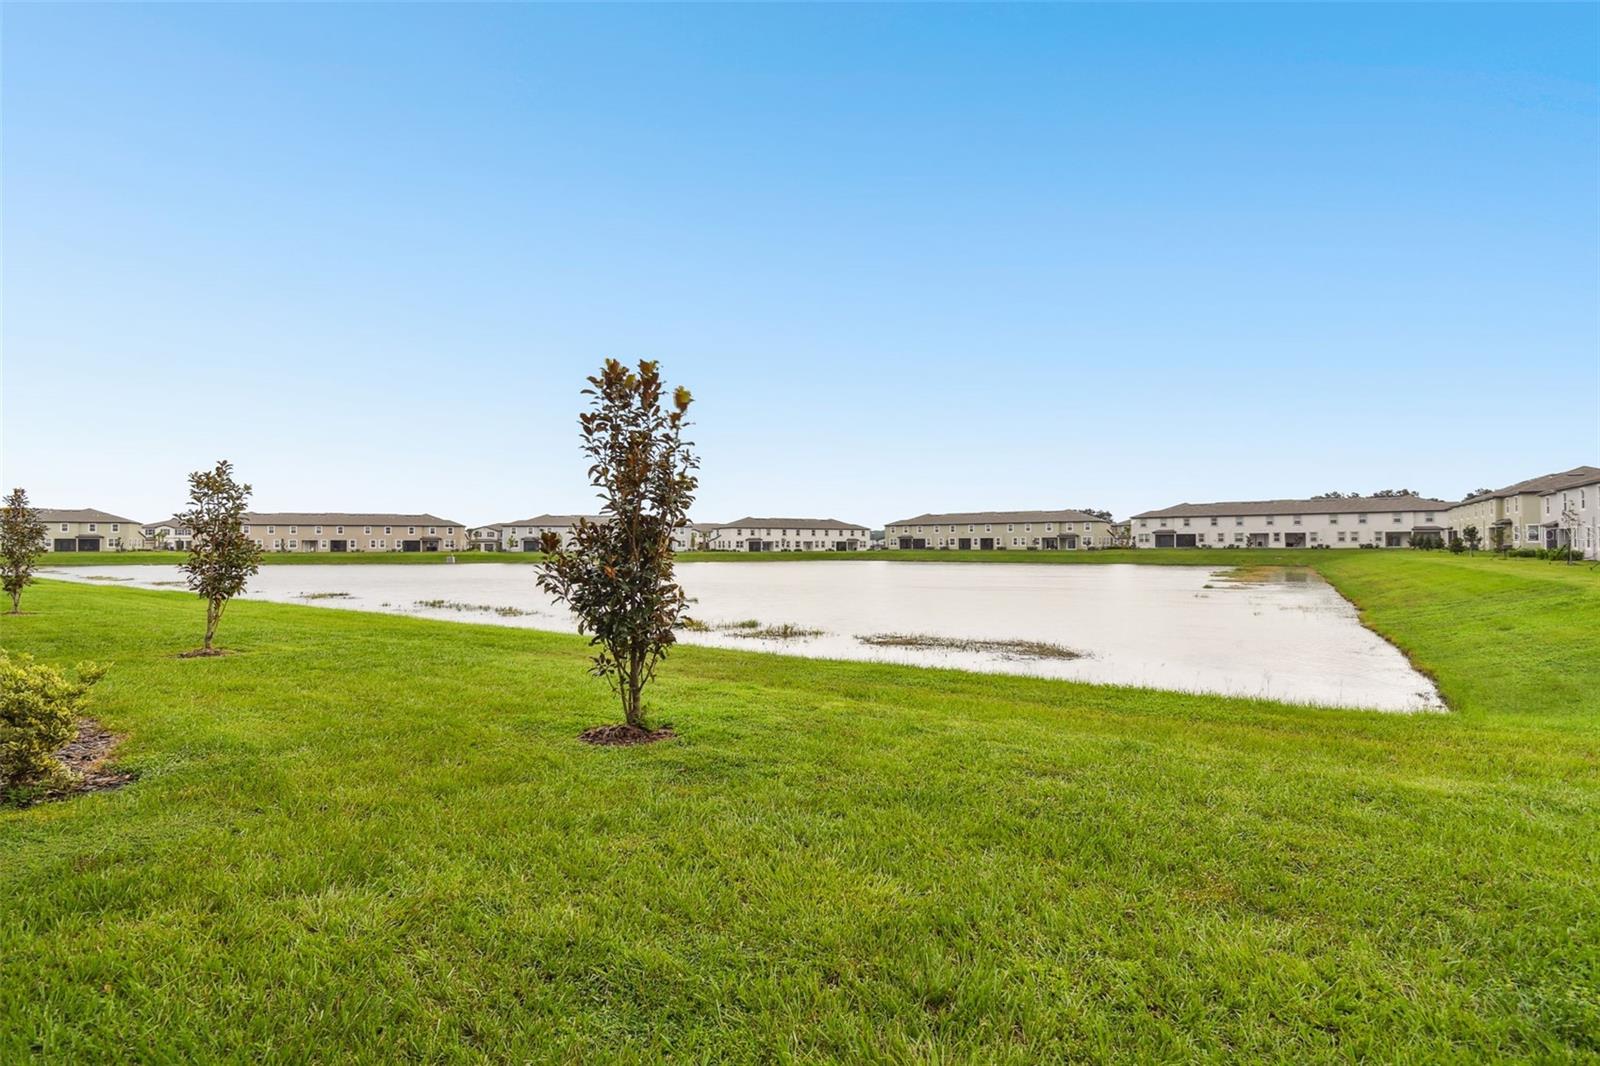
{"x": 1285, "y": 635}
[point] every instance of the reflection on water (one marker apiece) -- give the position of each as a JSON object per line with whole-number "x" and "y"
{"x": 1279, "y": 634}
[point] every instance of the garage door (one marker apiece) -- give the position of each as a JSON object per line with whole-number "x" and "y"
{"x": 1165, "y": 540}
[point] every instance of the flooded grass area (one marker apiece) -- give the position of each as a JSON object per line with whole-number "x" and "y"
{"x": 1274, "y": 632}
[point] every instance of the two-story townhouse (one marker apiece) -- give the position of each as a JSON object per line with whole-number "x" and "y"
{"x": 752, "y": 534}
{"x": 338, "y": 531}
{"x": 1571, "y": 516}
{"x": 168, "y": 535}
{"x": 86, "y": 529}
{"x": 1514, "y": 514}
{"x": 1347, "y": 522}
{"x": 526, "y": 534}
{"x": 1062, "y": 530}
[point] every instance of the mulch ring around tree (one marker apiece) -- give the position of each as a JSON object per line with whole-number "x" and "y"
{"x": 204, "y": 653}
{"x": 622, "y": 735}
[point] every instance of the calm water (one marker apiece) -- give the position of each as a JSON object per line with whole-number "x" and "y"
{"x": 1290, "y": 637}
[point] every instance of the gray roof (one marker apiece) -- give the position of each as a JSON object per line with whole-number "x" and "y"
{"x": 1346, "y": 505}
{"x": 999, "y": 516}
{"x": 79, "y": 514}
{"x": 791, "y": 523}
{"x": 182, "y": 527}
{"x": 339, "y": 518}
{"x": 545, "y": 520}
{"x": 1566, "y": 479}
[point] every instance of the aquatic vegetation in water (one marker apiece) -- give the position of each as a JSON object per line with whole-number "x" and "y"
{"x": 778, "y": 632}
{"x": 325, "y": 595}
{"x": 1005, "y": 649}
{"x": 488, "y": 608}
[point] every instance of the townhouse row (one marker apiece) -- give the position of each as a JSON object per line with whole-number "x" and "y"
{"x": 748, "y": 534}
{"x": 1550, "y": 511}
{"x": 90, "y": 530}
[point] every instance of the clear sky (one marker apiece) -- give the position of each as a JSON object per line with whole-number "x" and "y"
{"x": 907, "y": 258}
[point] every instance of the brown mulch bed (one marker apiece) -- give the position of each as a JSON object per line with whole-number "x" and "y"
{"x": 203, "y": 653}
{"x": 623, "y": 734}
{"x": 84, "y": 756}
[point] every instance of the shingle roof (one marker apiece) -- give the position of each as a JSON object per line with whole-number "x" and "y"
{"x": 790, "y": 523}
{"x": 173, "y": 522}
{"x": 338, "y": 518}
{"x": 1578, "y": 475}
{"x": 999, "y": 516}
{"x": 545, "y": 520}
{"x": 1346, "y": 505}
{"x": 79, "y": 514}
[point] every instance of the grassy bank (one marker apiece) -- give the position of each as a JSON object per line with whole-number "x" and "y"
{"x": 375, "y": 838}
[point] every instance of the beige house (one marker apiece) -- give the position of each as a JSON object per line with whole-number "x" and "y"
{"x": 1517, "y": 511}
{"x": 751, "y": 534}
{"x": 1572, "y": 516}
{"x": 333, "y": 531}
{"x": 1064, "y": 530}
{"x": 1353, "y": 522}
{"x": 87, "y": 530}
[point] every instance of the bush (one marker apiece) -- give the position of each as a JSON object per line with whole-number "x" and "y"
{"x": 39, "y": 708}
{"x": 1457, "y": 547}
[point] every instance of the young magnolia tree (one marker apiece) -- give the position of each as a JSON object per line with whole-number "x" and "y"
{"x": 221, "y": 558}
{"x": 22, "y": 534}
{"x": 616, "y": 574}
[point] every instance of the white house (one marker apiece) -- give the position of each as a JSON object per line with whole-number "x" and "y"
{"x": 525, "y": 535}
{"x": 1571, "y": 516}
{"x": 171, "y": 535}
{"x": 1064, "y": 530}
{"x": 1351, "y": 522}
{"x": 751, "y": 534}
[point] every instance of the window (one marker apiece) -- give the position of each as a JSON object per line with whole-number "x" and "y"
{"x": 1296, "y": 519}
{"x": 1333, "y": 520}
{"x": 387, "y": 530}
{"x": 1270, "y": 520}
{"x": 1143, "y": 524}
{"x": 1213, "y": 520}
{"x": 1238, "y": 537}
{"x": 63, "y": 527}
{"x": 1238, "y": 521}
{"x": 1186, "y": 523}
{"x": 366, "y": 531}
{"x": 1396, "y": 518}
{"x": 338, "y": 529}
{"x": 411, "y": 530}
{"x": 1361, "y": 519}
{"x": 272, "y": 529}
{"x": 292, "y": 529}
{"x": 433, "y": 531}
{"x": 115, "y": 528}
{"x": 92, "y": 527}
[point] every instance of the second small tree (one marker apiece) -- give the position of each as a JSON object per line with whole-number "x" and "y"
{"x": 22, "y": 535}
{"x": 616, "y": 574}
{"x": 221, "y": 558}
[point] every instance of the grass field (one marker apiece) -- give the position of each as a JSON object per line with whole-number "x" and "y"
{"x": 373, "y": 838}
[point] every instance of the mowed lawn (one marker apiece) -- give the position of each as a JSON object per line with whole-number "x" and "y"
{"x": 371, "y": 838}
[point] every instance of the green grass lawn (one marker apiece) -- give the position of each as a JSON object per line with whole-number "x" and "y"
{"x": 374, "y": 838}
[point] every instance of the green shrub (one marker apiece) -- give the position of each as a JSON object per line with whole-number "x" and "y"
{"x": 39, "y": 709}
{"x": 1457, "y": 547}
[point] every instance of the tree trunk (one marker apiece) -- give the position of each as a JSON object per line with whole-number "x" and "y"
{"x": 16, "y": 600}
{"x": 212, "y": 615}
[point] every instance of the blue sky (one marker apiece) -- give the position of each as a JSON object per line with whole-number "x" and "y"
{"x": 908, "y": 258}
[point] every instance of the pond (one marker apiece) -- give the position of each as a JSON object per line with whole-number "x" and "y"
{"x": 1281, "y": 634}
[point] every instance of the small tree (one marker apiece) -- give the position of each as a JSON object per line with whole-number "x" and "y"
{"x": 1470, "y": 535}
{"x": 39, "y": 708}
{"x": 1497, "y": 539}
{"x": 22, "y": 534}
{"x": 617, "y": 575}
{"x": 221, "y": 558}
{"x": 1570, "y": 522}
